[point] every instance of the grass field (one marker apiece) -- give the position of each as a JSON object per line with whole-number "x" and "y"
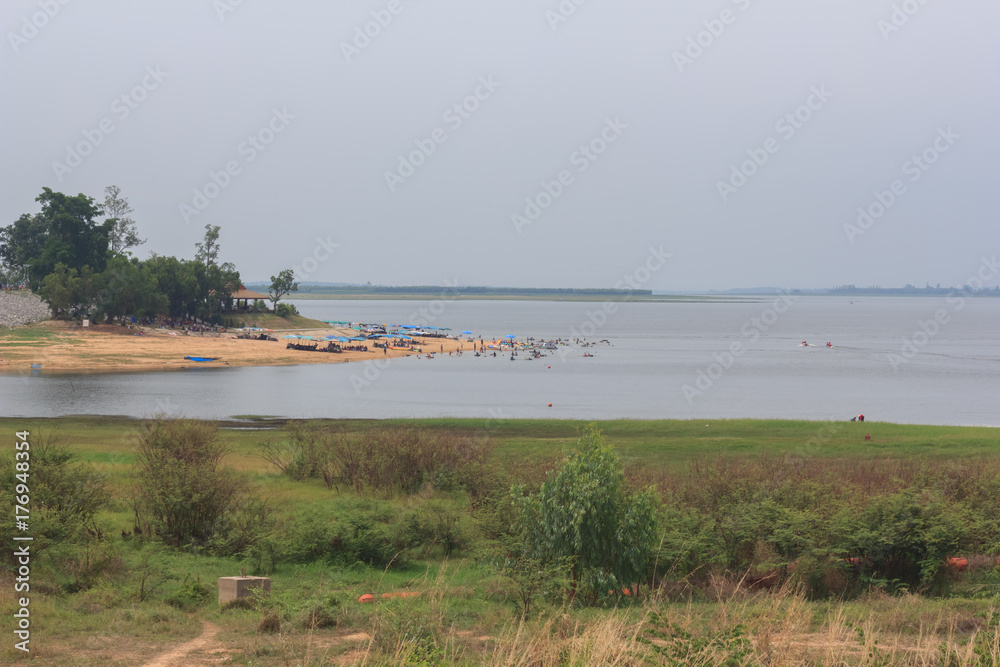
{"x": 470, "y": 608}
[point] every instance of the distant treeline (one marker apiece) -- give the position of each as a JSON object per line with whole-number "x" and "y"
{"x": 466, "y": 291}
{"x": 910, "y": 290}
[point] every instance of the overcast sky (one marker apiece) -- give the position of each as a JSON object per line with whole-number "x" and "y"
{"x": 642, "y": 109}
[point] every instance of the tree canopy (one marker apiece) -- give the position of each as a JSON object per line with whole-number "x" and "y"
{"x": 81, "y": 265}
{"x": 64, "y": 232}
{"x": 282, "y": 284}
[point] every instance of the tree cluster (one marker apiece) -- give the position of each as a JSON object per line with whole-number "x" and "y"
{"x": 82, "y": 266}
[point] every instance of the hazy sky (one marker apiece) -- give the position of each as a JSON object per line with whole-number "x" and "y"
{"x": 623, "y": 122}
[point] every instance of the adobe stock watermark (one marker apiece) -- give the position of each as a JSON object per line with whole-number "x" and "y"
{"x": 248, "y": 149}
{"x": 714, "y": 28}
{"x": 223, "y": 7}
{"x": 562, "y": 13}
{"x": 424, "y": 316}
{"x": 900, "y": 16}
{"x": 121, "y": 107}
{"x": 582, "y": 158}
{"x": 786, "y": 126}
{"x": 455, "y": 116}
{"x": 310, "y": 263}
{"x": 31, "y": 25}
{"x": 364, "y": 34}
{"x": 915, "y": 168}
{"x": 751, "y": 330}
{"x": 594, "y": 320}
{"x": 427, "y": 316}
{"x": 931, "y": 327}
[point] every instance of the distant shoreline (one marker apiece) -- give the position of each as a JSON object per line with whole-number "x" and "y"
{"x": 447, "y": 296}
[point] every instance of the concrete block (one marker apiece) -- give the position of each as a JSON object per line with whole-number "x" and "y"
{"x": 234, "y": 588}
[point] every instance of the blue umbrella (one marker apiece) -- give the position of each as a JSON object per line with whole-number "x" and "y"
{"x": 291, "y": 336}
{"x": 466, "y": 332}
{"x": 511, "y": 336}
{"x": 402, "y": 336}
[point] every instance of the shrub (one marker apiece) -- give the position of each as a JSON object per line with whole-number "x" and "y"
{"x": 380, "y": 458}
{"x": 66, "y": 497}
{"x": 270, "y": 624}
{"x": 901, "y": 540}
{"x": 192, "y": 594}
{"x": 359, "y": 535}
{"x": 183, "y": 494}
{"x": 285, "y": 310}
{"x": 585, "y": 513}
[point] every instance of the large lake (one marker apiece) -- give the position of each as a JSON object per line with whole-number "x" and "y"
{"x": 950, "y": 374}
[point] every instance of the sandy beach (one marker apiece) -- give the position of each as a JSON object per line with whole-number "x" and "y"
{"x": 114, "y": 348}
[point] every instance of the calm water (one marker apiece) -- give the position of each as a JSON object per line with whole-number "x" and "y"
{"x": 950, "y": 377}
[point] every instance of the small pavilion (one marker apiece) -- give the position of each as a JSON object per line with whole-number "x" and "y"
{"x": 246, "y": 296}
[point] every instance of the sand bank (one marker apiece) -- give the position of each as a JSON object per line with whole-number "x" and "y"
{"x": 62, "y": 348}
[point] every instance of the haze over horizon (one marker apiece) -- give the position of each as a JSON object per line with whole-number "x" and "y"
{"x": 727, "y": 144}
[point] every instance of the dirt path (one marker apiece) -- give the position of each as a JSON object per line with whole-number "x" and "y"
{"x": 177, "y": 655}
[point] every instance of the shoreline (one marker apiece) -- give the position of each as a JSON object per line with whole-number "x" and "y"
{"x": 63, "y": 349}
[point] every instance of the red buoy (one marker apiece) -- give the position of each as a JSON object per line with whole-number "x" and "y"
{"x": 550, "y": 405}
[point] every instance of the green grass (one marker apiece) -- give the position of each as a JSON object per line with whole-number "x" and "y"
{"x": 272, "y": 321}
{"x": 661, "y": 442}
{"x": 464, "y": 601}
{"x": 29, "y": 337}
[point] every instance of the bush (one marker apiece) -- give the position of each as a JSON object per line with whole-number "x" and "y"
{"x": 586, "y": 514}
{"x": 270, "y": 624}
{"x": 357, "y": 536}
{"x": 285, "y": 310}
{"x": 66, "y": 497}
{"x": 192, "y": 594}
{"x": 900, "y": 541}
{"x": 183, "y": 494}
{"x": 380, "y": 458}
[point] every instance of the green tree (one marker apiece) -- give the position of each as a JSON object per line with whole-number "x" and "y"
{"x": 59, "y": 289}
{"x": 129, "y": 288}
{"x": 68, "y": 291}
{"x": 179, "y": 281}
{"x": 586, "y": 514}
{"x": 282, "y": 284}
{"x": 218, "y": 282}
{"x": 65, "y": 231}
{"x": 123, "y": 234}
{"x": 208, "y": 249}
